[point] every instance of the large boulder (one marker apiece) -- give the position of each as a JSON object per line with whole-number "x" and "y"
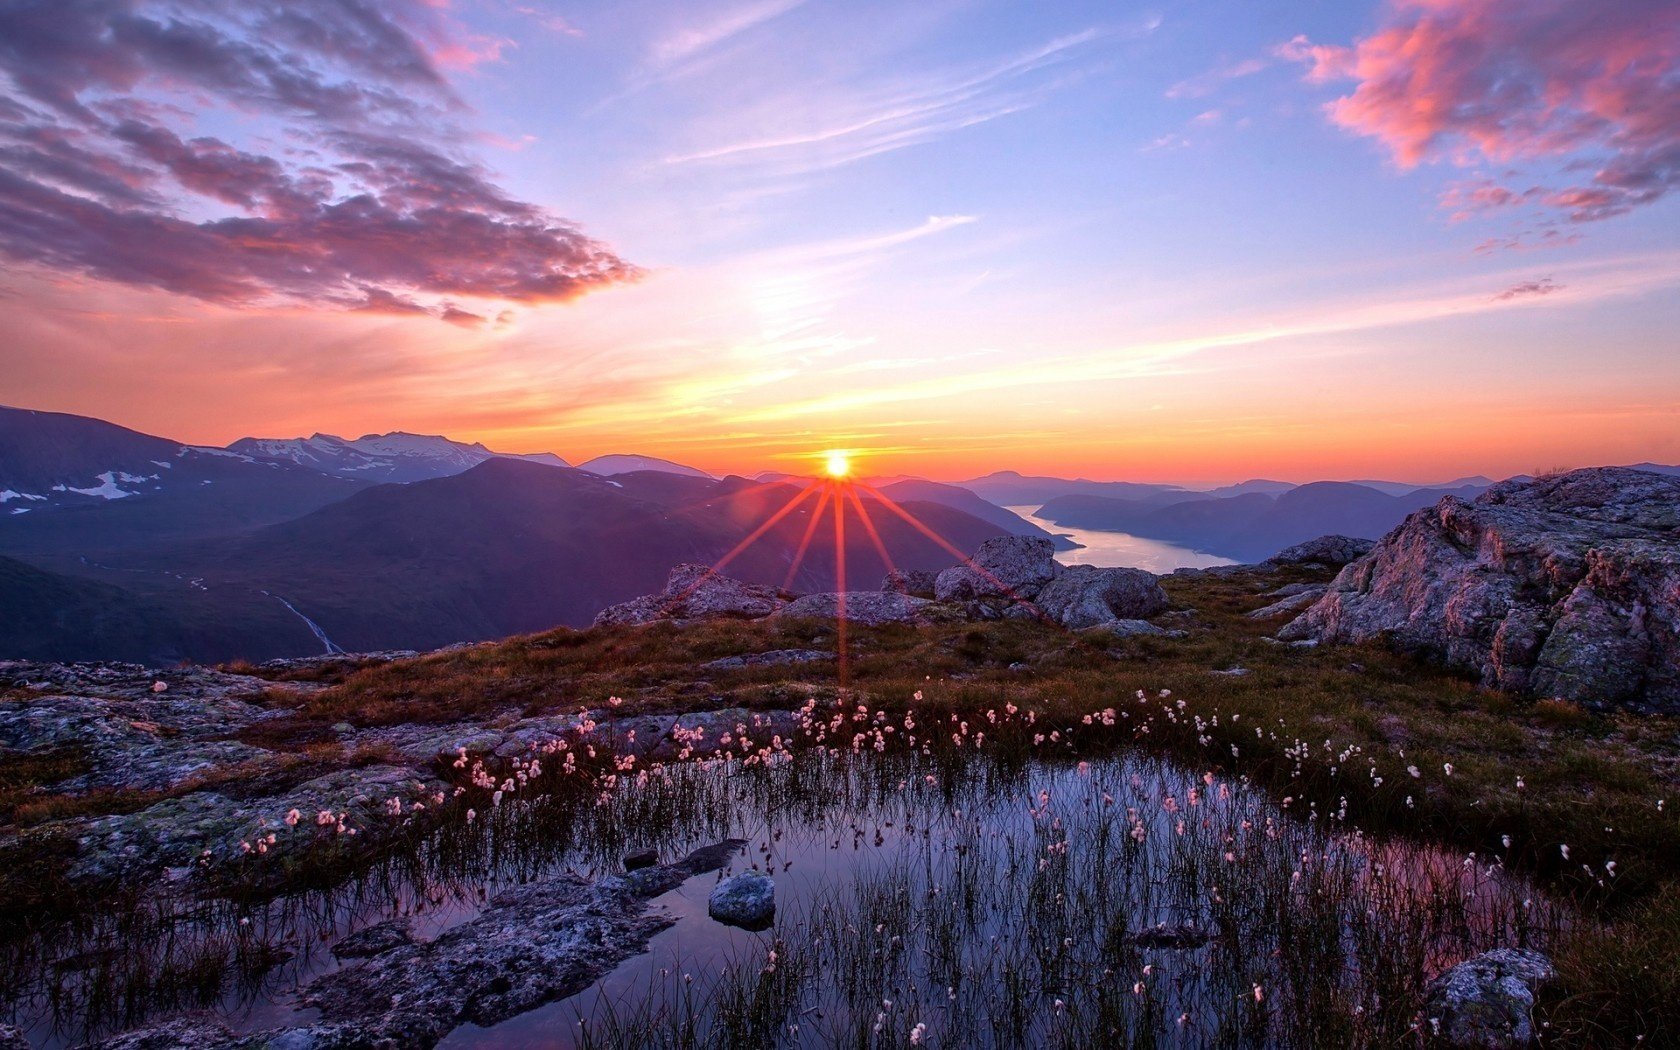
{"x": 1488, "y": 1001}
{"x": 1325, "y": 550}
{"x": 694, "y": 592}
{"x": 1564, "y": 586}
{"x": 867, "y": 607}
{"x": 1085, "y": 596}
{"x": 1003, "y": 567}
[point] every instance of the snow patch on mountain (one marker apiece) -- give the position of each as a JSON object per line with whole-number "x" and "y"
{"x": 626, "y": 464}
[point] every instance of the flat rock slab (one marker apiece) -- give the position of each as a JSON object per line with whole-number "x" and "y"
{"x": 867, "y": 607}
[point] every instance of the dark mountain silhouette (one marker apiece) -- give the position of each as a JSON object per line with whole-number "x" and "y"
{"x": 1010, "y": 489}
{"x": 510, "y": 547}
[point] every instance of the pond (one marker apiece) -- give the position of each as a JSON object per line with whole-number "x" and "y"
{"x": 1110, "y": 549}
{"x": 987, "y": 884}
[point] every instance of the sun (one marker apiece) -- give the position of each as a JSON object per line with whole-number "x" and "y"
{"x": 837, "y": 464}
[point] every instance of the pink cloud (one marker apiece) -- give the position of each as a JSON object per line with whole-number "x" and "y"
{"x": 375, "y": 203}
{"x": 1583, "y": 86}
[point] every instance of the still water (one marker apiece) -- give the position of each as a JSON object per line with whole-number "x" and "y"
{"x": 1107, "y": 549}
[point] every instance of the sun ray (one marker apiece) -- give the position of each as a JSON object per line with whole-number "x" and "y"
{"x": 805, "y": 541}
{"x": 950, "y": 548}
{"x": 869, "y": 527}
{"x": 840, "y": 589}
{"x": 734, "y": 552}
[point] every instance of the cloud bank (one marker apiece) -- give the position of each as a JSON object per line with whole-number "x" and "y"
{"x": 1591, "y": 90}
{"x": 350, "y": 184}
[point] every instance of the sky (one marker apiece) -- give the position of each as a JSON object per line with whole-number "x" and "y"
{"x": 1186, "y": 242}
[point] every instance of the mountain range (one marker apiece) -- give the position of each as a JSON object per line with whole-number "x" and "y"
{"x": 120, "y": 545}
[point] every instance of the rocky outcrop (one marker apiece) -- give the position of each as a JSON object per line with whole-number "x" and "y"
{"x": 866, "y": 607}
{"x": 1086, "y": 596}
{"x": 696, "y": 592}
{"x": 531, "y": 945}
{"x": 1325, "y": 550}
{"x": 1566, "y": 586}
{"x": 1012, "y": 567}
{"x": 1488, "y": 1001}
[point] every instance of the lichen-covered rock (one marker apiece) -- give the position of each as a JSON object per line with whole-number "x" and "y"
{"x": 747, "y": 900}
{"x": 1566, "y": 586}
{"x": 1488, "y": 1001}
{"x": 1325, "y": 550}
{"x": 1013, "y": 567}
{"x": 919, "y": 582}
{"x": 1085, "y": 596}
{"x": 867, "y": 607}
{"x": 696, "y": 592}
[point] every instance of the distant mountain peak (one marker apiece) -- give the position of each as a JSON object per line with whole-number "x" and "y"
{"x": 397, "y": 456}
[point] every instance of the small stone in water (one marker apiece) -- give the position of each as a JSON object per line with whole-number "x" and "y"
{"x": 747, "y": 900}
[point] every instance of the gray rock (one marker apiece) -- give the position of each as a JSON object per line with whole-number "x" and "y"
{"x": 919, "y": 582}
{"x": 194, "y": 1032}
{"x": 1292, "y": 604}
{"x": 532, "y": 945}
{"x": 747, "y": 900}
{"x": 374, "y": 940}
{"x": 1565, "y": 586}
{"x": 1085, "y": 596}
{"x": 637, "y": 861}
{"x": 1289, "y": 590}
{"x": 1233, "y": 672}
{"x": 1013, "y": 567}
{"x": 1488, "y": 1001}
{"x": 866, "y": 607}
{"x": 772, "y": 658}
{"x": 12, "y": 1038}
{"x": 696, "y": 592}
{"x": 1325, "y": 550}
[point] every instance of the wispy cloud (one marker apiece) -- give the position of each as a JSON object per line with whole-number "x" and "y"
{"x": 1594, "y": 281}
{"x": 869, "y": 120}
{"x": 1209, "y": 81}
{"x": 723, "y": 26}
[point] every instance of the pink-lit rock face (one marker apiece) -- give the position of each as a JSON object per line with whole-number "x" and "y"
{"x": 1566, "y": 586}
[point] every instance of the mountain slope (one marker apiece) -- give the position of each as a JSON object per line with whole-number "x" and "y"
{"x": 395, "y": 457}
{"x": 511, "y": 547}
{"x": 969, "y": 503}
{"x": 1007, "y": 488}
{"x": 76, "y": 487}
